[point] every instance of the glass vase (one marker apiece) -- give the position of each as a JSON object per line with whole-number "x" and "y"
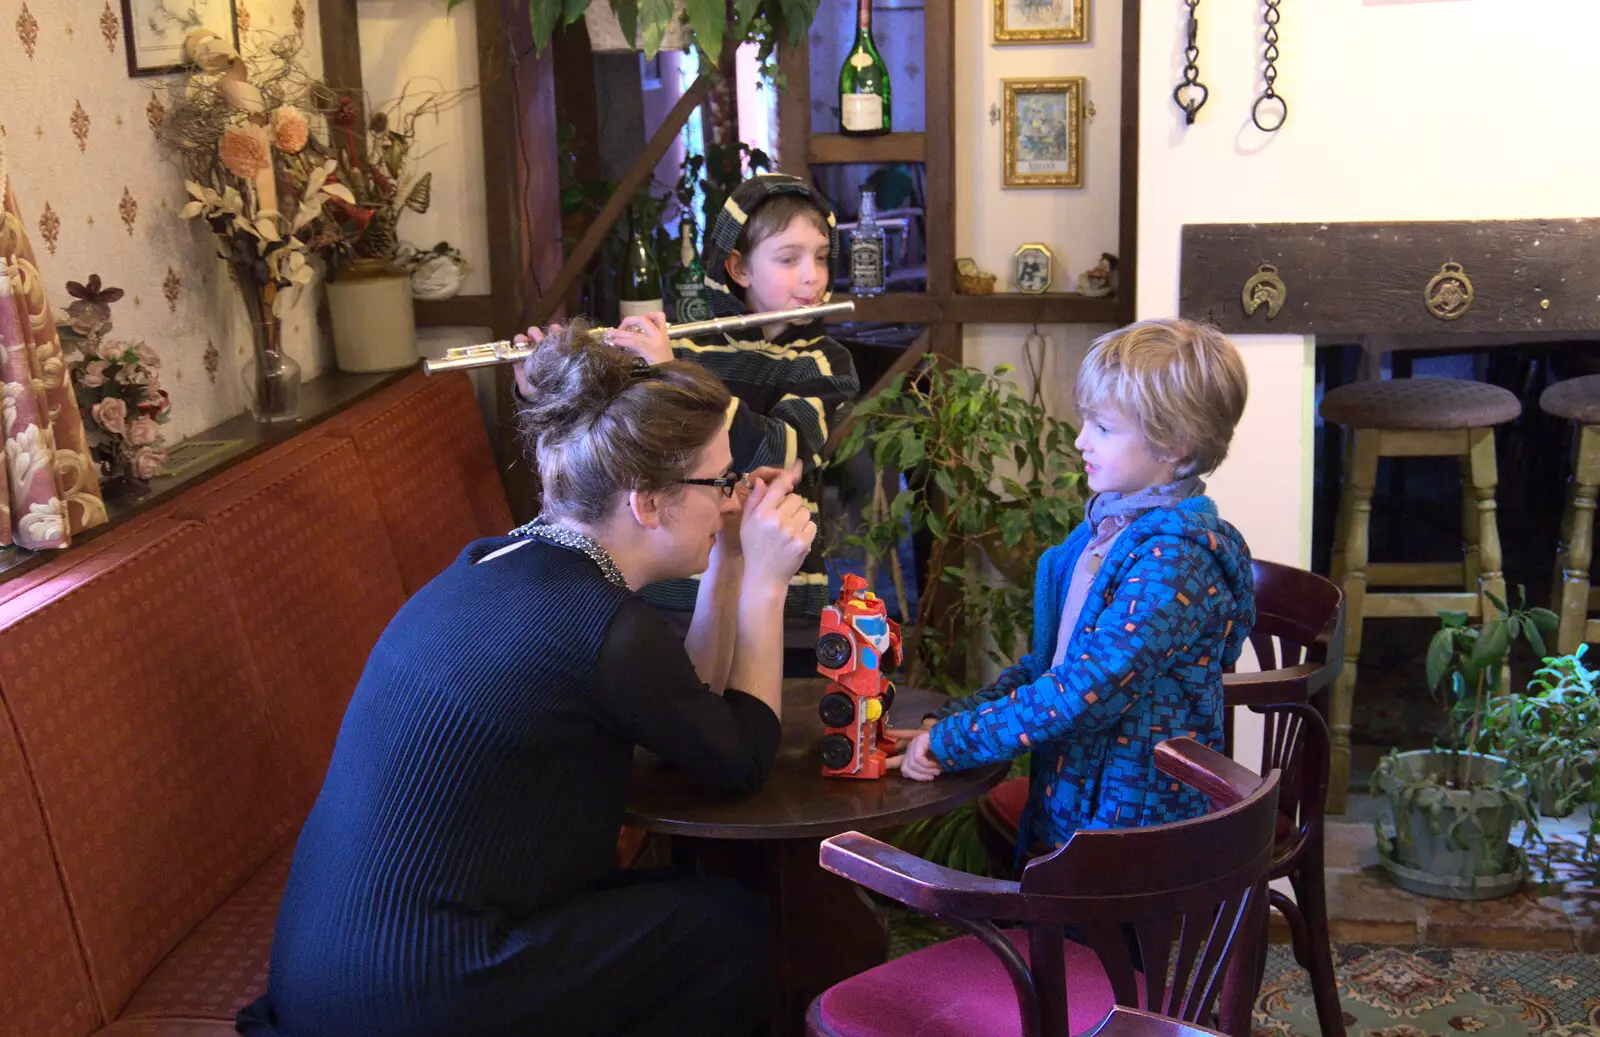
{"x": 272, "y": 382}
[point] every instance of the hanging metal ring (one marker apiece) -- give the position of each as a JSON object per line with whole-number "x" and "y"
{"x": 1191, "y": 106}
{"x": 1283, "y": 112}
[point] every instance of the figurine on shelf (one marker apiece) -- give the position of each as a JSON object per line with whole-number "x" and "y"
{"x": 856, "y": 637}
{"x": 1099, "y": 281}
{"x": 972, "y": 281}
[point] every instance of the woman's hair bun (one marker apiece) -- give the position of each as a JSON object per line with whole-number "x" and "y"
{"x": 571, "y": 378}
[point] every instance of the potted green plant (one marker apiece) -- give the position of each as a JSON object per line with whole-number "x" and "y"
{"x": 1445, "y": 815}
{"x": 1551, "y": 734}
{"x": 986, "y": 470}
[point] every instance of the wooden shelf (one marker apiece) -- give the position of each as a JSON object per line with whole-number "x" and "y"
{"x": 460, "y": 310}
{"x": 835, "y": 148}
{"x": 892, "y": 308}
{"x": 1023, "y": 308}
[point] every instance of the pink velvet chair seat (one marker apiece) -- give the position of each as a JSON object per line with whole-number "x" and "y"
{"x": 957, "y": 988}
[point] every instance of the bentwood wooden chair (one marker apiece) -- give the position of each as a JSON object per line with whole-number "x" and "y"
{"x": 1186, "y": 898}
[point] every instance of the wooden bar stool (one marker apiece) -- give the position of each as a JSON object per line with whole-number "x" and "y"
{"x": 1578, "y": 401}
{"x": 1410, "y": 417}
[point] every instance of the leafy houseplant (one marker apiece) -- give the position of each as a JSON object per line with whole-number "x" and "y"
{"x": 711, "y": 22}
{"x": 1445, "y": 815}
{"x": 1551, "y": 735}
{"x": 985, "y": 470}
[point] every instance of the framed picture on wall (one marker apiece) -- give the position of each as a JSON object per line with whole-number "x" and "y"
{"x": 1041, "y": 21}
{"x": 155, "y": 30}
{"x": 1044, "y": 132}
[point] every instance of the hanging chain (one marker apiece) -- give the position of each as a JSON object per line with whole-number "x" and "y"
{"x": 1191, "y": 94}
{"x": 1270, "y": 74}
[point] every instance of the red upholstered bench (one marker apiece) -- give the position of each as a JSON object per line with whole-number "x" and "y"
{"x": 169, "y": 697}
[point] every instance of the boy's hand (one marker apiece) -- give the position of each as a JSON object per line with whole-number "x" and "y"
{"x": 646, "y": 336}
{"x": 917, "y": 762}
{"x": 903, "y": 735}
{"x": 532, "y": 337}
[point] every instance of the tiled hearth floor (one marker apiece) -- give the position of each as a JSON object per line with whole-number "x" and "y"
{"x": 1365, "y": 907}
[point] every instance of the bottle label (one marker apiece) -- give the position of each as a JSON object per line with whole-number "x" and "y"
{"x": 866, "y": 264}
{"x": 861, "y": 111}
{"x": 692, "y": 304}
{"x": 631, "y": 308}
{"x": 861, "y": 59}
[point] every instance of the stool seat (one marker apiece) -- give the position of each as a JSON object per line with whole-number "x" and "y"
{"x": 1420, "y": 403}
{"x": 1576, "y": 399}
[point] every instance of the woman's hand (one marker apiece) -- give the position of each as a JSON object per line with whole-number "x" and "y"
{"x": 728, "y": 542}
{"x": 645, "y": 336}
{"x": 776, "y": 530}
{"x": 917, "y": 762}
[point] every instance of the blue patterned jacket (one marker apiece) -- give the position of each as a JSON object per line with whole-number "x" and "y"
{"x": 1170, "y": 607}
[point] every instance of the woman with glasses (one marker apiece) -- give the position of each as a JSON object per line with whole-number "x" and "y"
{"x": 456, "y": 875}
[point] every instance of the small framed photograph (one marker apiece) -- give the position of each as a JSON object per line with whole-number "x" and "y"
{"x": 1032, "y": 268}
{"x": 1044, "y": 132}
{"x": 155, "y": 31}
{"x": 1041, "y": 21}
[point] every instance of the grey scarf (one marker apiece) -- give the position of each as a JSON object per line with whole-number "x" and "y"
{"x": 1110, "y": 513}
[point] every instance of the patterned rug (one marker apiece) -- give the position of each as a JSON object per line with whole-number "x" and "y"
{"x": 1431, "y": 992}
{"x": 1401, "y": 991}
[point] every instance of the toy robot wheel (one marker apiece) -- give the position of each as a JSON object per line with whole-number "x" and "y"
{"x": 888, "y": 697}
{"x": 833, "y": 650}
{"x": 837, "y": 751}
{"x": 836, "y": 709}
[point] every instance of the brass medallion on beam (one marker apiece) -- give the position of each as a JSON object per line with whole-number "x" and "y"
{"x": 1449, "y": 294}
{"x": 1264, "y": 288}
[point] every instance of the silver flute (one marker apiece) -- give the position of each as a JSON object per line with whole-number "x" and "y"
{"x": 505, "y": 351}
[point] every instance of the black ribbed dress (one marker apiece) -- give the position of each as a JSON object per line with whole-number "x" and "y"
{"x": 456, "y": 875}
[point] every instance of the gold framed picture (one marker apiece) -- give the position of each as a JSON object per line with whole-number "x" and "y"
{"x": 1041, "y": 21}
{"x": 1044, "y": 132}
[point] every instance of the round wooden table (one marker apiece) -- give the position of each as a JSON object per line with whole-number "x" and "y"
{"x": 826, "y": 928}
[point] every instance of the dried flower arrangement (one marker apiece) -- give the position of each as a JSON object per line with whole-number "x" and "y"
{"x": 243, "y": 130}
{"x": 118, "y": 388}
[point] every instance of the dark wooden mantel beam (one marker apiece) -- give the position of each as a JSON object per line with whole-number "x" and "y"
{"x": 1535, "y": 277}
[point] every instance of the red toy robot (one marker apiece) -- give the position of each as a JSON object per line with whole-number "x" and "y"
{"x": 856, "y": 637}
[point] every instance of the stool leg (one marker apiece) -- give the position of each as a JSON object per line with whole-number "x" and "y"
{"x": 1484, "y": 478}
{"x": 1577, "y": 535}
{"x": 1341, "y": 522}
{"x": 1469, "y": 529}
{"x": 1363, "y": 474}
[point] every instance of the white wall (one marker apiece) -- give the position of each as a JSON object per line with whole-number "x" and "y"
{"x": 1467, "y": 109}
{"x": 403, "y": 41}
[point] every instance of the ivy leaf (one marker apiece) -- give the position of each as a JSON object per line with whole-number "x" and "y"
{"x": 745, "y": 11}
{"x": 573, "y": 10}
{"x": 543, "y": 15}
{"x": 627, "y": 12}
{"x": 709, "y": 20}
{"x": 937, "y": 527}
{"x": 655, "y": 18}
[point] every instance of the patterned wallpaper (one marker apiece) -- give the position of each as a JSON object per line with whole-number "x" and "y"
{"x": 98, "y": 195}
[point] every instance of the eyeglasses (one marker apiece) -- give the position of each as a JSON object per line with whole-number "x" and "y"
{"x": 726, "y": 483}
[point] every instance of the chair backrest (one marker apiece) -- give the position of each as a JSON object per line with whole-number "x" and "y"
{"x": 1190, "y": 893}
{"x": 1298, "y": 639}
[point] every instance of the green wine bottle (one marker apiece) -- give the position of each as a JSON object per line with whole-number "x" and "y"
{"x": 689, "y": 290}
{"x": 639, "y": 283}
{"x": 864, "y": 83}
